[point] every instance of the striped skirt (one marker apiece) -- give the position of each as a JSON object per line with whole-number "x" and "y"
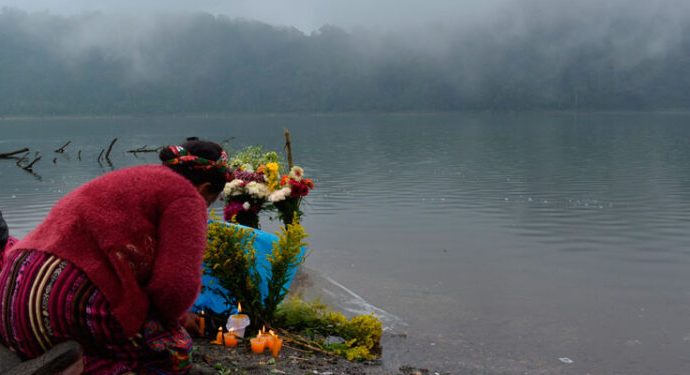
{"x": 46, "y": 300}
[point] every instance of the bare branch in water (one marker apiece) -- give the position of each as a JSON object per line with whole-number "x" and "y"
{"x": 61, "y": 150}
{"x": 30, "y": 166}
{"x": 11, "y": 154}
{"x": 144, "y": 149}
{"x": 110, "y": 148}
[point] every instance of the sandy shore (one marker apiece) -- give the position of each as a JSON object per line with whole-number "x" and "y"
{"x": 240, "y": 360}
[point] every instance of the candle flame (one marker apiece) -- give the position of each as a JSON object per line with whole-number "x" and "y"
{"x": 220, "y": 329}
{"x": 263, "y": 329}
{"x": 239, "y": 307}
{"x": 272, "y": 333}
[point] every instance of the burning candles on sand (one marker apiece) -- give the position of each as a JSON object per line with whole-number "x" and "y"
{"x": 270, "y": 340}
{"x": 202, "y": 323}
{"x": 258, "y": 344}
{"x": 276, "y": 343}
{"x": 226, "y": 339}
{"x": 219, "y": 337}
{"x": 238, "y": 322}
{"x": 229, "y": 339}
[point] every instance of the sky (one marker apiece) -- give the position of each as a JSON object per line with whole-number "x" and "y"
{"x": 306, "y": 15}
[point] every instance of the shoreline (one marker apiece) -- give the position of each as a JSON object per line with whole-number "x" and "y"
{"x": 220, "y": 115}
{"x": 210, "y": 359}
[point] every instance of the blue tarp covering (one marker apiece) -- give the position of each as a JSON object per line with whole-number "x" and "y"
{"x": 263, "y": 243}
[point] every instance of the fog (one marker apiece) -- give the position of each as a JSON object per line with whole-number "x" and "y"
{"x": 344, "y": 55}
{"x": 306, "y": 15}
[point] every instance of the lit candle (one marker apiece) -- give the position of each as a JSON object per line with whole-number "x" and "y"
{"x": 267, "y": 337}
{"x": 258, "y": 344}
{"x": 277, "y": 344}
{"x": 219, "y": 337}
{"x": 238, "y": 322}
{"x": 229, "y": 339}
{"x": 202, "y": 323}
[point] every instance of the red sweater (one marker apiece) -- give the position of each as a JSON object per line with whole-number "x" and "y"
{"x": 139, "y": 235}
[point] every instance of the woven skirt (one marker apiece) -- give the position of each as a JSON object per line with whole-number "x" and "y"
{"x": 47, "y": 300}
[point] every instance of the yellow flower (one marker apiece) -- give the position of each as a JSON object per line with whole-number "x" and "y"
{"x": 272, "y": 174}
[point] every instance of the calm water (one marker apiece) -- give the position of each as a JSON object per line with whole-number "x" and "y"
{"x": 503, "y": 242}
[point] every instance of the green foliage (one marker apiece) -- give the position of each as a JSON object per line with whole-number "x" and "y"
{"x": 231, "y": 258}
{"x": 284, "y": 258}
{"x": 362, "y": 334}
{"x": 254, "y": 156}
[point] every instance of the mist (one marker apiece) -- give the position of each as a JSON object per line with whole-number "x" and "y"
{"x": 118, "y": 57}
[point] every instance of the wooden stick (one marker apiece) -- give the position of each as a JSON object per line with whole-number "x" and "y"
{"x": 143, "y": 149}
{"x": 22, "y": 159}
{"x": 288, "y": 147}
{"x": 31, "y": 165}
{"x": 61, "y": 150}
{"x": 110, "y": 148}
{"x": 289, "y": 337}
{"x": 9, "y": 155}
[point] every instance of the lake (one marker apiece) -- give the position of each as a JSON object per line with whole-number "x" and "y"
{"x": 500, "y": 243}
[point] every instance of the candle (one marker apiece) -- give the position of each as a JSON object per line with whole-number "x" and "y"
{"x": 229, "y": 339}
{"x": 219, "y": 337}
{"x": 258, "y": 344}
{"x": 267, "y": 337}
{"x": 238, "y": 322}
{"x": 276, "y": 346}
{"x": 202, "y": 323}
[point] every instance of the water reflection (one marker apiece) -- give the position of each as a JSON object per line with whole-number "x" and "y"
{"x": 518, "y": 230}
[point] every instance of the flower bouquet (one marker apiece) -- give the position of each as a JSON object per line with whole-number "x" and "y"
{"x": 257, "y": 181}
{"x": 244, "y": 196}
{"x": 287, "y": 199}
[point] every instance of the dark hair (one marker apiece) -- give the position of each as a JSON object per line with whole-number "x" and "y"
{"x": 202, "y": 149}
{"x": 4, "y": 234}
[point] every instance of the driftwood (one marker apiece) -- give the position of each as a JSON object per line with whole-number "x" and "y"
{"x": 11, "y": 154}
{"x": 110, "y": 148}
{"x": 304, "y": 343}
{"x": 288, "y": 148}
{"x": 144, "y": 149}
{"x": 22, "y": 159}
{"x": 61, "y": 150}
{"x": 29, "y": 167}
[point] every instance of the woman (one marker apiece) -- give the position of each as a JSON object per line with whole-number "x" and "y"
{"x": 116, "y": 264}
{"x": 6, "y": 241}
{"x": 4, "y": 233}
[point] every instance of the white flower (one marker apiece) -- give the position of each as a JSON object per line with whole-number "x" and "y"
{"x": 280, "y": 195}
{"x": 234, "y": 187}
{"x": 257, "y": 190}
{"x": 296, "y": 173}
{"x": 246, "y": 206}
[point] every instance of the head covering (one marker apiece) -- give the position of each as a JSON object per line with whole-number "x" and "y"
{"x": 184, "y": 157}
{"x": 4, "y": 233}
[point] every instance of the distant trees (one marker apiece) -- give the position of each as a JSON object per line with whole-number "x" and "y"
{"x": 199, "y": 63}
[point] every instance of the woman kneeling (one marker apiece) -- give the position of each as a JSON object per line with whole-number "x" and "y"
{"x": 115, "y": 266}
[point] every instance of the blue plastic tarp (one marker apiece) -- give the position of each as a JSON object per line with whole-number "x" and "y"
{"x": 263, "y": 244}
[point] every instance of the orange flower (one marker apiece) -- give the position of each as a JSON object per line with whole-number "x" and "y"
{"x": 284, "y": 180}
{"x": 309, "y": 183}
